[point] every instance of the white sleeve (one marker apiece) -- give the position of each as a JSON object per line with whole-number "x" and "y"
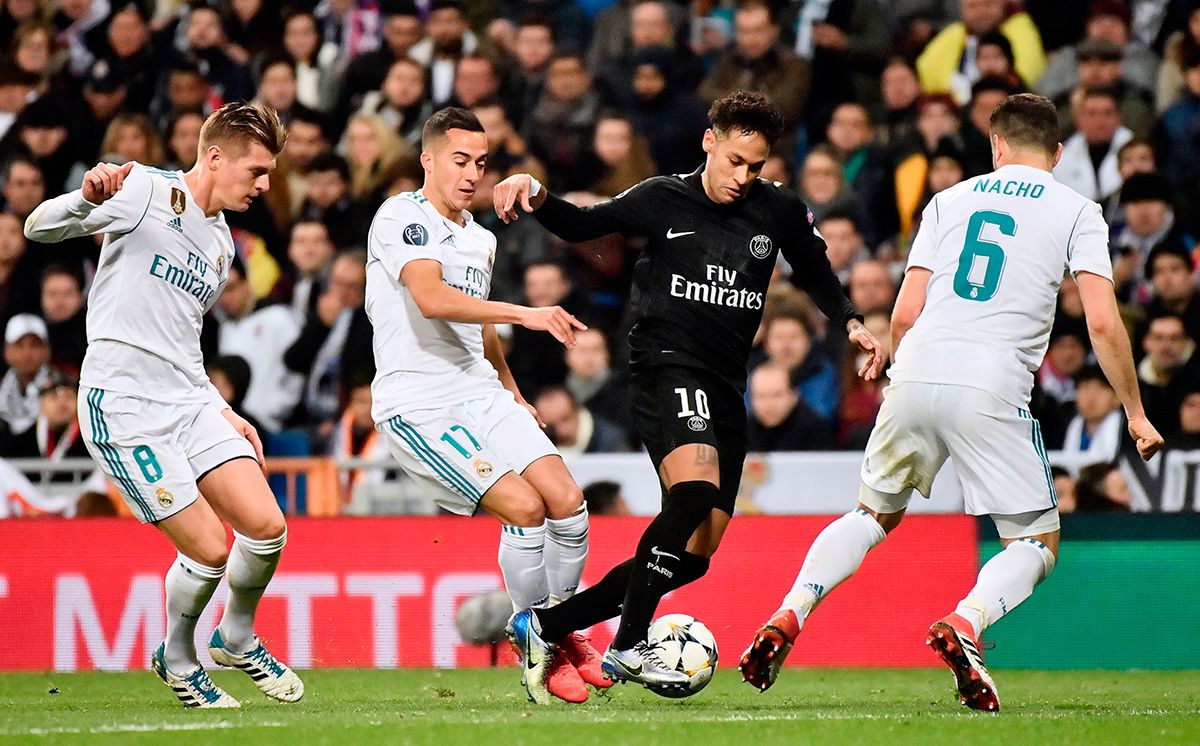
{"x": 923, "y": 252}
{"x": 401, "y": 233}
{"x": 215, "y": 397}
{"x": 70, "y": 215}
{"x": 1087, "y": 244}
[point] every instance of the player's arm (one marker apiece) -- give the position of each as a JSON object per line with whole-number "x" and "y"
{"x": 812, "y": 273}
{"x": 910, "y": 301}
{"x": 494, "y": 352}
{"x": 437, "y": 300}
{"x": 113, "y": 199}
{"x": 1110, "y": 343}
{"x": 243, "y": 428}
{"x": 563, "y": 219}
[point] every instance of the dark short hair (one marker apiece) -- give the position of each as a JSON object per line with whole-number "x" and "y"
{"x": 1167, "y": 249}
{"x": 63, "y": 269}
{"x": 271, "y": 60}
{"x": 767, "y": 5}
{"x": 747, "y": 111}
{"x": 330, "y": 161}
{"x": 1170, "y": 316}
{"x": 1028, "y": 120}
{"x": 841, "y": 213}
{"x": 997, "y": 39}
{"x": 450, "y": 118}
{"x": 1091, "y": 373}
{"x": 302, "y": 113}
{"x": 1103, "y": 91}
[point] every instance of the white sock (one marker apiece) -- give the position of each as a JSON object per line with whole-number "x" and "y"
{"x": 523, "y": 564}
{"x": 566, "y": 554}
{"x": 252, "y": 563}
{"x": 837, "y": 552}
{"x": 1005, "y": 581}
{"x": 189, "y": 586}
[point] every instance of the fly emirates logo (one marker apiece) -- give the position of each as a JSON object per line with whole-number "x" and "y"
{"x": 718, "y": 289}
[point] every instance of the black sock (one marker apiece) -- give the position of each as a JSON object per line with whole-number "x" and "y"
{"x": 659, "y": 565}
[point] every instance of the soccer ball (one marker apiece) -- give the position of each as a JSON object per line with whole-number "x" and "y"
{"x": 684, "y": 644}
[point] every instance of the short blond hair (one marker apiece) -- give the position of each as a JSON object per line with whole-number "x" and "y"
{"x": 235, "y": 125}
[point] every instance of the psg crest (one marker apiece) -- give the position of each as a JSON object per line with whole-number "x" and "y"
{"x": 760, "y": 246}
{"x": 178, "y": 201}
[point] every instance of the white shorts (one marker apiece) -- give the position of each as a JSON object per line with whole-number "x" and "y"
{"x": 464, "y": 449}
{"x": 155, "y": 452}
{"x": 996, "y": 448}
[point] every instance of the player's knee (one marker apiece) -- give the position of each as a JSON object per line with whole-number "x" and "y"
{"x": 525, "y": 510}
{"x": 269, "y": 526}
{"x": 212, "y": 551}
{"x": 566, "y": 503}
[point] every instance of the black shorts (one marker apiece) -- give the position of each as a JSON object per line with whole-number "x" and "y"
{"x": 676, "y": 405}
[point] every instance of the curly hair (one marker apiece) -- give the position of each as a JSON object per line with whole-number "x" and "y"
{"x": 746, "y": 111}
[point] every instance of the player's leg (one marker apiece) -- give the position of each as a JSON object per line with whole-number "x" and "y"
{"x": 233, "y": 483}
{"x": 903, "y": 452}
{"x": 1009, "y": 478}
{"x": 129, "y": 438}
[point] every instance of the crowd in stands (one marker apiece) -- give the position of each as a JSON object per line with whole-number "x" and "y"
{"x": 886, "y": 103}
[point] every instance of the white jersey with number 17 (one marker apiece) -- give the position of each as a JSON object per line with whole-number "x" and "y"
{"x": 998, "y": 246}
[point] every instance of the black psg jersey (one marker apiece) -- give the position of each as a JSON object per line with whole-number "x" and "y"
{"x": 700, "y": 283}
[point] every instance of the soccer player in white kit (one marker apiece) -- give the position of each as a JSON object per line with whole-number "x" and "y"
{"x": 970, "y": 328}
{"x": 182, "y": 459}
{"x": 443, "y": 396}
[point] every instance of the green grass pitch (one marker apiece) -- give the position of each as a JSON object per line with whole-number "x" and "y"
{"x": 453, "y": 708}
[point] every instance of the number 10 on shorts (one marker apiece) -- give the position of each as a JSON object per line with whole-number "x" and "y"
{"x": 685, "y": 408}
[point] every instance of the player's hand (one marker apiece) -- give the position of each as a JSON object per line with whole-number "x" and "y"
{"x": 103, "y": 181}
{"x": 866, "y": 342}
{"x": 555, "y": 320}
{"x": 1146, "y": 436}
{"x": 508, "y": 193}
{"x": 533, "y": 411}
{"x": 247, "y": 431}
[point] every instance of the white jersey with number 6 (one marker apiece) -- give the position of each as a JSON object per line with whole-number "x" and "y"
{"x": 998, "y": 246}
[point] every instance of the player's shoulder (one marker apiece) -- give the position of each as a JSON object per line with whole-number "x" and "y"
{"x": 654, "y": 184}
{"x": 411, "y": 210}
{"x": 778, "y": 191}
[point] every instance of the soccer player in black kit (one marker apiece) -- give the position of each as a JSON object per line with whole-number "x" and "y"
{"x": 698, "y": 292}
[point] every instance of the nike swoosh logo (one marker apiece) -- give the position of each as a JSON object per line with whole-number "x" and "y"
{"x": 672, "y": 234}
{"x": 654, "y": 550}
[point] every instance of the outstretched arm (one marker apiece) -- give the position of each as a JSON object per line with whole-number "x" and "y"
{"x": 560, "y": 217}
{"x": 113, "y": 199}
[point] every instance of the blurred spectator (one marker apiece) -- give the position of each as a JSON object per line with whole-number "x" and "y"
{"x": 184, "y": 89}
{"x": 131, "y": 137}
{"x": 328, "y": 199}
{"x": 1095, "y": 433}
{"x": 260, "y": 337}
{"x": 779, "y": 419}
{"x": 448, "y": 38}
{"x": 605, "y": 498}
{"x": 27, "y": 354}
{"x": 315, "y": 60}
{"x": 1165, "y": 370}
{"x": 401, "y": 102}
{"x": 329, "y": 336}
{"x": 18, "y": 12}
{"x": 18, "y": 270}
{"x": 308, "y": 137}
{"x": 1064, "y": 487}
{"x": 183, "y": 140}
{"x": 353, "y": 25}
{"x": 476, "y": 79}
{"x": 1100, "y": 67}
{"x": 592, "y": 381}
{"x": 310, "y": 252}
{"x": 666, "y": 113}
{"x": 131, "y": 54}
{"x": 1089, "y": 157}
{"x": 1173, "y": 280}
{"x": 41, "y": 132}
{"x": 1102, "y": 488}
{"x": 994, "y": 59}
{"x": 24, "y": 187}
{"x": 1065, "y": 357}
{"x": 947, "y": 167}
{"x": 79, "y": 25}
{"x": 573, "y": 428}
{"x": 948, "y": 65}
{"x": 355, "y": 437}
{"x": 533, "y": 47}
{"x": 822, "y": 183}
{"x": 54, "y": 435}
{"x": 559, "y": 129}
{"x": 757, "y": 61}
{"x": 1149, "y": 222}
{"x": 650, "y": 27}
{"x": 32, "y": 48}
{"x": 230, "y": 375}
{"x": 612, "y": 31}
{"x": 507, "y": 152}
{"x": 536, "y": 360}
{"x": 899, "y": 89}
{"x": 1182, "y": 44}
{"x": 1176, "y": 140}
{"x": 1108, "y": 22}
{"x": 1134, "y": 157}
{"x": 987, "y": 94}
{"x": 788, "y": 344}
{"x": 872, "y": 287}
{"x": 860, "y": 399}
{"x": 864, "y": 169}
{"x": 566, "y": 16}
{"x": 371, "y": 146}
{"x": 402, "y": 29}
{"x": 205, "y": 40}
{"x": 844, "y": 243}
{"x": 277, "y": 85}
{"x": 623, "y": 156}
{"x": 845, "y": 42}
{"x": 65, "y": 315}
{"x": 253, "y": 26}
{"x": 1188, "y": 436}
{"x": 16, "y": 90}
{"x": 937, "y": 120}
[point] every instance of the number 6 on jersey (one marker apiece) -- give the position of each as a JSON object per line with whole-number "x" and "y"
{"x": 982, "y": 262}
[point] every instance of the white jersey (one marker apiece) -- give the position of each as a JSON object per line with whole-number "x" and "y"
{"x": 425, "y": 363}
{"x": 162, "y": 266}
{"x": 997, "y": 245}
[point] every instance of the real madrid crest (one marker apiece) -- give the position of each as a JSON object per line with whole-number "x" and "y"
{"x": 220, "y": 264}
{"x": 178, "y": 201}
{"x": 165, "y": 498}
{"x": 483, "y": 468}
